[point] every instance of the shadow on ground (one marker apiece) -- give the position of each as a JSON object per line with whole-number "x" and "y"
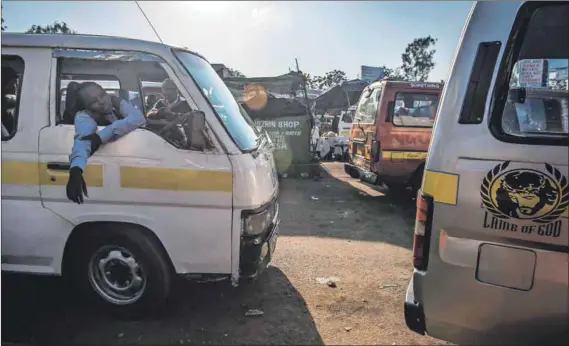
{"x": 339, "y": 206}
{"x": 38, "y": 310}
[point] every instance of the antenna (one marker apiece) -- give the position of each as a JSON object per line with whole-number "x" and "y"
{"x": 149, "y": 22}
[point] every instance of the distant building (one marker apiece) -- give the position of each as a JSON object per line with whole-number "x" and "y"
{"x": 221, "y": 70}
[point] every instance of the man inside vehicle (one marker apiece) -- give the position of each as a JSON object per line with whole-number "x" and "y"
{"x": 95, "y": 107}
{"x": 169, "y": 103}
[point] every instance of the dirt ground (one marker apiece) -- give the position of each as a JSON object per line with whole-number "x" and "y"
{"x": 335, "y": 227}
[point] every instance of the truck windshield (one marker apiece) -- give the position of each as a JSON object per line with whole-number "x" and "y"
{"x": 234, "y": 118}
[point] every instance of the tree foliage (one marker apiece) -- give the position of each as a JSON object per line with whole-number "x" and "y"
{"x": 392, "y": 73}
{"x": 330, "y": 79}
{"x": 418, "y": 59}
{"x": 235, "y": 73}
{"x": 56, "y": 28}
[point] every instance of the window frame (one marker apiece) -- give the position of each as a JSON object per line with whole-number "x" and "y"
{"x": 59, "y": 90}
{"x": 18, "y": 98}
{"x": 502, "y": 85}
{"x": 379, "y": 90}
{"x": 413, "y": 93}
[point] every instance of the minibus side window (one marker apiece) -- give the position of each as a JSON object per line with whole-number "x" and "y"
{"x": 12, "y": 73}
{"x": 111, "y": 84}
{"x": 140, "y": 83}
{"x": 536, "y": 103}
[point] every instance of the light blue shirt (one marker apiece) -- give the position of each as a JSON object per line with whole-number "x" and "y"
{"x": 132, "y": 118}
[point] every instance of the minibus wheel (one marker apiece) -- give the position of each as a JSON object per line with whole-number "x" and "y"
{"x": 122, "y": 268}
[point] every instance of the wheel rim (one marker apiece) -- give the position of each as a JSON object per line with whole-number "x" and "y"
{"x": 116, "y": 275}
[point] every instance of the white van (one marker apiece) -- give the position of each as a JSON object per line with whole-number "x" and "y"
{"x": 491, "y": 240}
{"x": 203, "y": 205}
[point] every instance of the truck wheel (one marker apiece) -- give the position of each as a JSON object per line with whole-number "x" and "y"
{"x": 123, "y": 269}
{"x": 416, "y": 182}
{"x": 354, "y": 173}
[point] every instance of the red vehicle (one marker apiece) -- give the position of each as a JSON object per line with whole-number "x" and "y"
{"x": 391, "y": 133}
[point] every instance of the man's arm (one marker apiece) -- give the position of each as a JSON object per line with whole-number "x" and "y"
{"x": 84, "y": 125}
{"x": 132, "y": 119}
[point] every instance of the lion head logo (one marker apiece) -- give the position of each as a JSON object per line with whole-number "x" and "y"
{"x": 525, "y": 193}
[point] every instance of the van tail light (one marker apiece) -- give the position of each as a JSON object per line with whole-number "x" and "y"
{"x": 422, "y": 234}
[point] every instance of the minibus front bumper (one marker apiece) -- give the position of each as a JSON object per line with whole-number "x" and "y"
{"x": 414, "y": 313}
{"x": 257, "y": 252}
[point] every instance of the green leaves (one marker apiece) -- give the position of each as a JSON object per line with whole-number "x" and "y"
{"x": 56, "y": 28}
{"x": 418, "y": 59}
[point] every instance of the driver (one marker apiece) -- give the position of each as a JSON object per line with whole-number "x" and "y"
{"x": 170, "y": 103}
{"x": 95, "y": 106}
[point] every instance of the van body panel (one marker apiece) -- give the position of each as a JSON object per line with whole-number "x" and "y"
{"x": 499, "y": 254}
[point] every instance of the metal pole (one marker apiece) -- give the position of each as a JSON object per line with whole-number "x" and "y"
{"x": 304, "y": 89}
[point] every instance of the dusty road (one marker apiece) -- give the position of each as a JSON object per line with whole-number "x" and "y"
{"x": 335, "y": 227}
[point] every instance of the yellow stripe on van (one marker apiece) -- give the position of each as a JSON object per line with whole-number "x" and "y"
{"x": 404, "y": 155}
{"x": 442, "y": 186}
{"x": 93, "y": 176}
{"x": 34, "y": 173}
{"x": 20, "y": 172}
{"x": 180, "y": 179}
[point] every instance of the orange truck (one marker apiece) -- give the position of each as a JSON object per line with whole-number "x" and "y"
{"x": 391, "y": 133}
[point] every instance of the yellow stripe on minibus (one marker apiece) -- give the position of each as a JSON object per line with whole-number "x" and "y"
{"x": 404, "y": 155}
{"x": 34, "y": 173}
{"x": 20, "y": 172}
{"x": 442, "y": 186}
{"x": 156, "y": 178}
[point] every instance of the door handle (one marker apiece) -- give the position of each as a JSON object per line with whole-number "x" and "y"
{"x": 59, "y": 166}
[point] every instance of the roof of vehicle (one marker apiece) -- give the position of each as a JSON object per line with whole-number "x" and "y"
{"x": 95, "y": 42}
{"x": 406, "y": 84}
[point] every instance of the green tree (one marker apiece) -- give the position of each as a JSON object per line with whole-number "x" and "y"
{"x": 330, "y": 79}
{"x": 309, "y": 81}
{"x": 392, "y": 73}
{"x": 235, "y": 73}
{"x": 418, "y": 59}
{"x": 56, "y": 28}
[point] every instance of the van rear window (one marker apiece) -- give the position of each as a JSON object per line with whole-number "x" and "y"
{"x": 534, "y": 106}
{"x": 415, "y": 109}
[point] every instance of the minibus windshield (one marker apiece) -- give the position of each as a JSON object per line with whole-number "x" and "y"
{"x": 224, "y": 104}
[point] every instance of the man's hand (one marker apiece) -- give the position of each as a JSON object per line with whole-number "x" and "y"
{"x": 116, "y": 102}
{"x": 76, "y": 186}
{"x": 95, "y": 142}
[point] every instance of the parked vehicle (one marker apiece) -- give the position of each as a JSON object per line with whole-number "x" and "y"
{"x": 491, "y": 238}
{"x": 204, "y": 207}
{"x": 391, "y": 133}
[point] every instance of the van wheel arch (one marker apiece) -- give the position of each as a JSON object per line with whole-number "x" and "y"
{"x": 85, "y": 230}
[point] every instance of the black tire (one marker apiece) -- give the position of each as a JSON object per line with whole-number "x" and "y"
{"x": 354, "y": 173}
{"x": 149, "y": 255}
{"x": 416, "y": 182}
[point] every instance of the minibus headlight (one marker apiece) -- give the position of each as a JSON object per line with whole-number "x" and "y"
{"x": 255, "y": 224}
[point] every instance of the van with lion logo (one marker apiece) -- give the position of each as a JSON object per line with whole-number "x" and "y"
{"x": 491, "y": 243}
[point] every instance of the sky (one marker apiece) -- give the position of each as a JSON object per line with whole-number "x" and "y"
{"x": 263, "y": 38}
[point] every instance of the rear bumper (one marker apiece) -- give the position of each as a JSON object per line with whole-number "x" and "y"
{"x": 414, "y": 313}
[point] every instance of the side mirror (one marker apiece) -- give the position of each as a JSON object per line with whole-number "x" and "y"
{"x": 390, "y": 110}
{"x": 517, "y": 95}
{"x": 196, "y": 130}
